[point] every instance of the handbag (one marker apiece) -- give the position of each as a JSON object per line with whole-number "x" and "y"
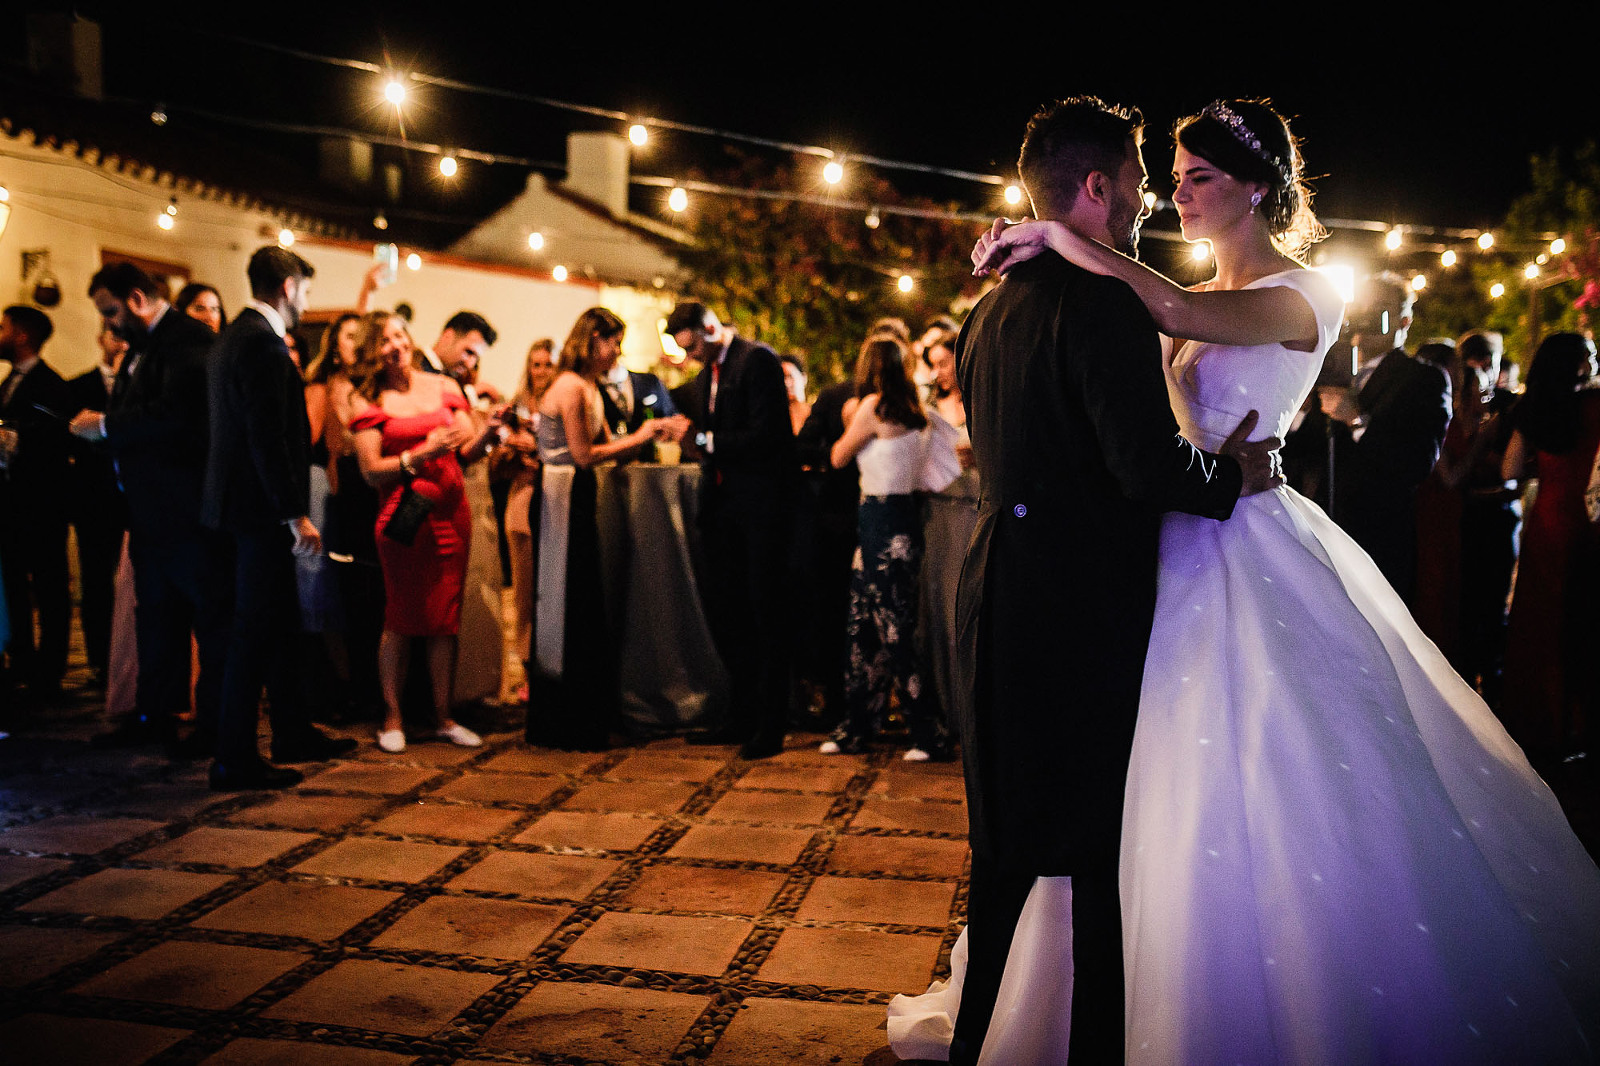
{"x": 408, "y": 516}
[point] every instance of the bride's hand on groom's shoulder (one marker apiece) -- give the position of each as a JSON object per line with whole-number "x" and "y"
{"x": 1008, "y": 243}
{"x": 1258, "y": 459}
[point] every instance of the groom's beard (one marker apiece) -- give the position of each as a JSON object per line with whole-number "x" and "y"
{"x": 1125, "y": 231}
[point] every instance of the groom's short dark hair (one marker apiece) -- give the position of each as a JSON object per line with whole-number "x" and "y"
{"x": 1069, "y": 139}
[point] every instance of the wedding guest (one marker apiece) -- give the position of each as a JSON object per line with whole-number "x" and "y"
{"x": 459, "y": 351}
{"x": 794, "y": 381}
{"x": 99, "y": 516}
{"x": 412, "y": 435}
{"x": 572, "y": 678}
{"x": 889, "y": 436}
{"x": 952, "y": 515}
{"x": 34, "y": 401}
{"x": 1550, "y": 682}
{"x": 202, "y": 303}
{"x": 517, "y": 466}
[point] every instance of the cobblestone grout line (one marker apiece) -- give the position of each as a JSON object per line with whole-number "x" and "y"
{"x": 457, "y": 1039}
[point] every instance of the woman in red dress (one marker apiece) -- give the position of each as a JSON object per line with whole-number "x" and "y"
{"x": 412, "y": 430}
{"x": 1550, "y": 680}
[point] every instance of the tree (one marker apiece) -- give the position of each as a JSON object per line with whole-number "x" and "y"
{"x": 1564, "y": 199}
{"x": 810, "y": 277}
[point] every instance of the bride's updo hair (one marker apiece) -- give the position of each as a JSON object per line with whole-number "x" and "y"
{"x": 1250, "y": 141}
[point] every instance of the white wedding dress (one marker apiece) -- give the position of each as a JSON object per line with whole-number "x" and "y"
{"x": 1332, "y": 852}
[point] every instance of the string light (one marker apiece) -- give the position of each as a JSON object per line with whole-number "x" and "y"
{"x": 1013, "y": 195}
{"x": 638, "y": 135}
{"x": 1150, "y": 201}
{"x": 414, "y": 261}
{"x": 872, "y": 220}
{"x": 905, "y": 283}
{"x": 286, "y": 238}
{"x": 1558, "y": 246}
{"x": 559, "y": 272}
{"x": 1486, "y": 241}
{"x": 832, "y": 172}
{"x": 536, "y": 241}
{"x": 172, "y": 206}
{"x": 164, "y": 221}
{"x": 677, "y": 199}
{"x": 1419, "y": 282}
{"x": 379, "y": 221}
{"x": 1200, "y": 251}
{"x": 394, "y": 91}
{"x": 447, "y": 166}
{"x": 1496, "y": 291}
{"x": 1530, "y": 271}
{"x": 1391, "y": 240}
{"x": 1448, "y": 258}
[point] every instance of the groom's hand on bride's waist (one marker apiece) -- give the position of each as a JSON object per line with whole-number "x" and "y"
{"x": 1258, "y": 459}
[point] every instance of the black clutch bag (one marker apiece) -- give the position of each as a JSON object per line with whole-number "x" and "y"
{"x": 408, "y": 516}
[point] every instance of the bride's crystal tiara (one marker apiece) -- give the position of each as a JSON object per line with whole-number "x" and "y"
{"x": 1226, "y": 115}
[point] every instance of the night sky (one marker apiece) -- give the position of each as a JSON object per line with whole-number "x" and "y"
{"x": 1429, "y": 123}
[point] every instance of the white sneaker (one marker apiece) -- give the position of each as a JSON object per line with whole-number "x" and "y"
{"x": 916, "y": 755}
{"x": 460, "y": 734}
{"x": 392, "y": 740}
{"x": 829, "y": 747}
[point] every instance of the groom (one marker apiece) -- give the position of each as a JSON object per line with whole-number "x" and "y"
{"x": 1078, "y": 454}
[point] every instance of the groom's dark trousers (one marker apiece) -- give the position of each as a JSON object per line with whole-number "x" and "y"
{"x": 1078, "y": 454}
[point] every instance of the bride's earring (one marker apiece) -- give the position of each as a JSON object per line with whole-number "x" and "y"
{"x": 1255, "y": 202}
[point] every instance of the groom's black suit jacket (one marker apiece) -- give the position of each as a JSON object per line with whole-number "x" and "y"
{"x": 1078, "y": 454}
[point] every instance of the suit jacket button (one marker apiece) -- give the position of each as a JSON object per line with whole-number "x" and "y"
{"x": 1020, "y": 510}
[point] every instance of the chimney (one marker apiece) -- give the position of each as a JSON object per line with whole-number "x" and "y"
{"x": 597, "y": 169}
{"x": 64, "y": 52}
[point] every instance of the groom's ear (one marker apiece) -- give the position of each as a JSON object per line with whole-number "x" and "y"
{"x": 1097, "y": 187}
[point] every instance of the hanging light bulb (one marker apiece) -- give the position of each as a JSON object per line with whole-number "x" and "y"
{"x": 447, "y": 166}
{"x": 172, "y": 207}
{"x": 905, "y": 283}
{"x": 413, "y": 261}
{"x": 1486, "y": 241}
{"x": 286, "y": 238}
{"x": 832, "y": 172}
{"x": 1497, "y": 290}
{"x": 394, "y": 90}
{"x": 559, "y": 272}
{"x": 1558, "y": 246}
{"x": 536, "y": 240}
{"x": 164, "y": 220}
{"x": 1200, "y": 251}
{"x": 1448, "y": 258}
{"x": 1013, "y": 195}
{"x": 872, "y": 220}
{"x": 638, "y": 135}
{"x": 677, "y": 199}
{"x": 1419, "y": 282}
{"x": 379, "y": 221}
{"x": 1391, "y": 240}
{"x": 1530, "y": 271}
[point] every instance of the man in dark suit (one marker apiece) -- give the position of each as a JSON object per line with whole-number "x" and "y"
{"x": 155, "y": 427}
{"x": 1396, "y": 417}
{"x": 630, "y": 397}
{"x": 258, "y": 494}
{"x": 33, "y": 503}
{"x": 1078, "y": 453}
{"x": 97, "y": 511}
{"x": 747, "y": 484}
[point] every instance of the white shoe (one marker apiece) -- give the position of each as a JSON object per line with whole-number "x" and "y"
{"x": 392, "y": 740}
{"x": 916, "y": 755}
{"x": 829, "y": 747}
{"x": 460, "y": 734}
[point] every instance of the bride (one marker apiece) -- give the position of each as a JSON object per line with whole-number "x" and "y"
{"x": 1331, "y": 852}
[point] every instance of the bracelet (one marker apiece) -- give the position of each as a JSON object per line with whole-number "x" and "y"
{"x": 405, "y": 464}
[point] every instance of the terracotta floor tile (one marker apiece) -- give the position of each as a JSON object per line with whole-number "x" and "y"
{"x": 386, "y": 996}
{"x": 323, "y": 814}
{"x": 866, "y": 899}
{"x": 660, "y": 942}
{"x": 704, "y": 888}
{"x": 15, "y": 869}
{"x": 899, "y": 784}
{"x": 660, "y": 766}
{"x": 781, "y": 1032}
{"x": 187, "y": 974}
{"x": 449, "y": 821}
{"x": 476, "y": 787}
{"x": 226, "y": 847}
{"x": 903, "y": 856}
{"x": 462, "y": 925}
{"x": 537, "y": 874}
{"x": 23, "y": 791}
{"x": 543, "y": 761}
{"x": 371, "y": 777}
{"x": 590, "y": 830}
{"x": 925, "y": 816}
{"x": 75, "y": 834}
{"x": 129, "y": 893}
{"x": 742, "y": 843}
{"x": 59, "y": 1041}
{"x": 638, "y": 797}
{"x": 249, "y": 1051}
{"x": 372, "y": 859}
{"x": 748, "y": 805}
{"x": 29, "y": 952}
{"x": 596, "y": 1022}
{"x": 831, "y": 778}
{"x": 851, "y": 958}
{"x": 421, "y": 750}
{"x": 164, "y": 801}
{"x": 294, "y": 908}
